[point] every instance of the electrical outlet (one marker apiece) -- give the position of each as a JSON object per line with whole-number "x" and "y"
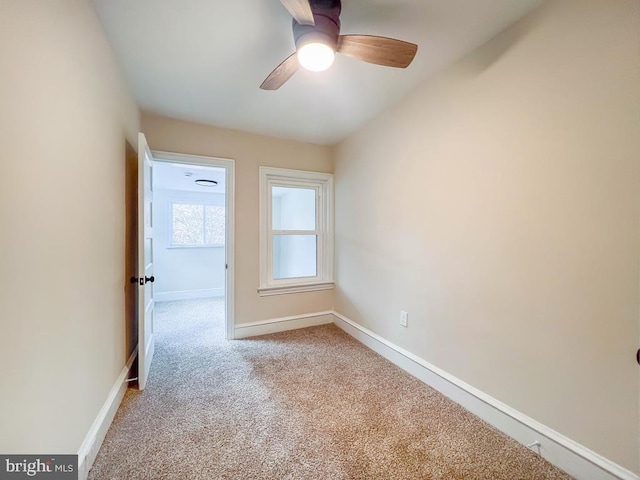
{"x": 404, "y": 318}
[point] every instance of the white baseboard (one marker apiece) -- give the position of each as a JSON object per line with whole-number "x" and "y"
{"x": 92, "y": 442}
{"x": 246, "y": 330}
{"x": 568, "y": 455}
{"x": 188, "y": 294}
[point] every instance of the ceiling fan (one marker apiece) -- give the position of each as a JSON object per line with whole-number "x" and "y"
{"x": 316, "y": 32}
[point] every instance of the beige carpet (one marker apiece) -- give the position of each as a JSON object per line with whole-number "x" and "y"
{"x": 307, "y": 404}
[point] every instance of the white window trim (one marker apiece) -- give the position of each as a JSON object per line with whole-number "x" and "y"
{"x": 323, "y": 183}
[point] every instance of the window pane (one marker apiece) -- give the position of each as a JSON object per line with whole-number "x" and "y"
{"x": 293, "y": 208}
{"x": 214, "y": 224}
{"x": 187, "y": 227}
{"x": 294, "y": 256}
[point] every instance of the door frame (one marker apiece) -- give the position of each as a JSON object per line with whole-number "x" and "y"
{"x": 229, "y": 166}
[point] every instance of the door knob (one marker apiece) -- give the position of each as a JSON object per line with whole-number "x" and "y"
{"x": 149, "y": 279}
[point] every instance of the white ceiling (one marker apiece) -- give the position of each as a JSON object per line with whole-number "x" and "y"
{"x": 177, "y": 176}
{"x": 203, "y": 60}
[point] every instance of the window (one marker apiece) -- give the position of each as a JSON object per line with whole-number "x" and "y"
{"x": 296, "y": 231}
{"x": 196, "y": 225}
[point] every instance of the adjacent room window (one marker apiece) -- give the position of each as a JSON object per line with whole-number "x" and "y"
{"x": 296, "y": 237}
{"x": 197, "y": 225}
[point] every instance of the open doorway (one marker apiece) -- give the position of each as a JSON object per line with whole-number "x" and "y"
{"x": 193, "y": 238}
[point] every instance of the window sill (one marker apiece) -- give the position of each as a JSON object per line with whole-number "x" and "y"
{"x": 288, "y": 289}
{"x": 187, "y": 247}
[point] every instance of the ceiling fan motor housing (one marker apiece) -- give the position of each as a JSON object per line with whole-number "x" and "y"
{"x": 316, "y": 32}
{"x": 326, "y": 14}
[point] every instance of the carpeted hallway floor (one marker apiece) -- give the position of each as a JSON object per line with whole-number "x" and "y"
{"x": 307, "y": 404}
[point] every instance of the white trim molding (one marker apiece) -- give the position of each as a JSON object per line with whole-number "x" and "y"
{"x": 91, "y": 444}
{"x": 566, "y": 454}
{"x": 275, "y": 325}
{"x": 312, "y": 287}
{"x": 188, "y": 294}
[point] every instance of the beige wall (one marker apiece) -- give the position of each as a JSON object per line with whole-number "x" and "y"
{"x": 249, "y": 152}
{"x": 499, "y": 206}
{"x": 65, "y": 114}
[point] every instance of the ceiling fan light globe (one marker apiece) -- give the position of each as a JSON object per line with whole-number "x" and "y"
{"x": 316, "y": 56}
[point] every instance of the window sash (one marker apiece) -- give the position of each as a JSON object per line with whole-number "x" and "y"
{"x": 306, "y": 189}
{"x": 207, "y": 240}
{"x": 319, "y": 248}
{"x": 292, "y": 278}
{"x": 206, "y": 243}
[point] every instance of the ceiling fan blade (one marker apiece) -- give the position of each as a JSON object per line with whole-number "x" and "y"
{"x": 379, "y": 50}
{"x": 281, "y": 73}
{"x": 300, "y": 10}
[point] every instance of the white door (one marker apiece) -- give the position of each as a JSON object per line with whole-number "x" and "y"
{"x": 145, "y": 261}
